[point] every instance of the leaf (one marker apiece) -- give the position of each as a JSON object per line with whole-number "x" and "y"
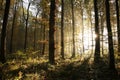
{"x": 20, "y": 74}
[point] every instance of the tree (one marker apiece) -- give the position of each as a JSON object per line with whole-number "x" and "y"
{"x": 51, "y": 32}
{"x": 44, "y": 23}
{"x": 118, "y": 24}
{"x": 73, "y": 27}
{"x": 3, "y": 33}
{"x": 26, "y": 25}
{"x": 13, "y": 25}
{"x": 97, "y": 40}
{"x": 62, "y": 30}
{"x": 110, "y": 40}
{"x": 82, "y": 12}
{"x": 43, "y": 28}
{"x": 34, "y": 46}
{"x": 102, "y": 28}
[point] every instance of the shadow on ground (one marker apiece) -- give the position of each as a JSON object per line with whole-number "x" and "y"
{"x": 64, "y": 70}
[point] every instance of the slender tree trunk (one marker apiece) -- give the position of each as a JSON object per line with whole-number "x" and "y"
{"x": 44, "y": 32}
{"x": 34, "y": 46}
{"x": 26, "y": 29}
{"x": 110, "y": 40}
{"x": 102, "y": 29}
{"x": 82, "y": 24}
{"x": 3, "y": 33}
{"x": 62, "y": 30}
{"x": 41, "y": 38}
{"x": 73, "y": 27}
{"x": 13, "y": 25}
{"x": 51, "y": 32}
{"x": 118, "y": 25}
{"x": 43, "y": 49}
{"x": 91, "y": 31}
{"x": 97, "y": 40}
{"x": 83, "y": 32}
{"x": 26, "y": 33}
{"x": 88, "y": 35}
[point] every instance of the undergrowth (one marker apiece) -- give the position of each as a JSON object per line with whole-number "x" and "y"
{"x": 34, "y": 66}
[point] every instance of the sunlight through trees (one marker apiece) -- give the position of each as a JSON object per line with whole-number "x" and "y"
{"x": 59, "y": 39}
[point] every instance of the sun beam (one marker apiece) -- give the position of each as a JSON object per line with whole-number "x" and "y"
{"x": 88, "y": 39}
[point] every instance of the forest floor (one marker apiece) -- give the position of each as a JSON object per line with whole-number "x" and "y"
{"x": 33, "y": 66}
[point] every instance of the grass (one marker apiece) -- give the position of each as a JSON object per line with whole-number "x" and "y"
{"x": 33, "y": 66}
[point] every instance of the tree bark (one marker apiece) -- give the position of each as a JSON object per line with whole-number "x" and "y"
{"x": 62, "y": 30}
{"x": 118, "y": 25}
{"x": 102, "y": 30}
{"x": 51, "y": 32}
{"x": 34, "y": 46}
{"x": 43, "y": 47}
{"x": 26, "y": 25}
{"x": 3, "y": 33}
{"x": 13, "y": 25}
{"x": 83, "y": 49}
{"x": 110, "y": 40}
{"x": 73, "y": 27}
{"x": 97, "y": 39}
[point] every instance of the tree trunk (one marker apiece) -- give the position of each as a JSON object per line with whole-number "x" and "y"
{"x": 34, "y": 46}
{"x": 44, "y": 17}
{"x": 118, "y": 25}
{"x": 110, "y": 40}
{"x": 41, "y": 34}
{"x": 73, "y": 27}
{"x": 83, "y": 49}
{"x": 43, "y": 47}
{"x": 102, "y": 30}
{"x": 13, "y": 25}
{"x": 97, "y": 39}
{"x": 51, "y": 32}
{"x": 3, "y": 33}
{"x": 91, "y": 24}
{"x": 26, "y": 25}
{"x": 62, "y": 30}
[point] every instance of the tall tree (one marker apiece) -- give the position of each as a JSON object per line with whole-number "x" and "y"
{"x": 51, "y": 32}
{"x": 73, "y": 27}
{"x": 13, "y": 25}
{"x": 102, "y": 30}
{"x": 26, "y": 24}
{"x": 97, "y": 40}
{"x": 3, "y": 33}
{"x": 44, "y": 23}
{"x": 62, "y": 29}
{"x": 82, "y": 12}
{"x": 34, "y": 46}
{"x": 118, "y": 24}
{"x": 43, "y": 47}
{"x": 110, "y": 40}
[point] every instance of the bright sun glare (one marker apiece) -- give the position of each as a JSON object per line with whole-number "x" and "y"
{"x": 88, "y": 39}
